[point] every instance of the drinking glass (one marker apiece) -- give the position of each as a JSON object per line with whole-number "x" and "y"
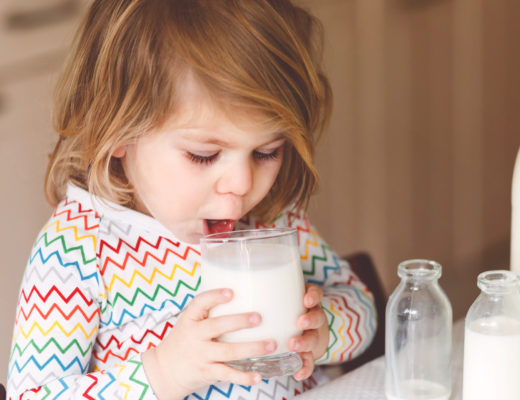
{"x": 262, "y": 267}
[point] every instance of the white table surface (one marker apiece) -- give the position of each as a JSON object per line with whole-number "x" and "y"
{"x": 368, "y": 381}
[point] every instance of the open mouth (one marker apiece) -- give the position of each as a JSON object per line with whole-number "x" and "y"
{"x": 218, "y": 226}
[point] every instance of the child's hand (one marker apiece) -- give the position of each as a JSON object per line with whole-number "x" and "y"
{"x": 314, "y": 340}
{"x": 190, "y": 357}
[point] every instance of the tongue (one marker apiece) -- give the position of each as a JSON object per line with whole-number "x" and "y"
{"x": 220, "y": 225}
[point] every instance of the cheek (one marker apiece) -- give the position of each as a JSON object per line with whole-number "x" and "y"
{"x": 273, "y": 174}
{"x": 168, "y": 187}
{"x": 190, "y": 191}
{"x": 183, "y": 185}
{"x": 267, "y": 177}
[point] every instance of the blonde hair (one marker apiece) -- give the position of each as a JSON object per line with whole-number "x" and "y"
{"x": 120, "y": 82}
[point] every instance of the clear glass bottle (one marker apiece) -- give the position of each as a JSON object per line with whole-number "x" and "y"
{"x": 418, "y": 335}
{"x": 492, "y": 339}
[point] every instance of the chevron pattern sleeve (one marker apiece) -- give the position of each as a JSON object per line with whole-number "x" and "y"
{"x": 349, "y": 306}
{"x": 58, "y": 318}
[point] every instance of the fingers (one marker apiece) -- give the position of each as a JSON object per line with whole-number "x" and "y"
{"x": 217, "y": 326}
{"x": 306, "y": 342}
{"x": 221, "y": 351}
{"x": 226, "y": 373}
{"x": 313, "y": 295}
{"x": 202, "y": 303}
{"x": 213, "y": 328}
{"x": 308, "y": 366}
{"x": 315, "y": 336}
{"x": 312, "y": 319}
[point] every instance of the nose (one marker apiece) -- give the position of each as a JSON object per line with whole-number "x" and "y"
{"x": 236, "y": 178}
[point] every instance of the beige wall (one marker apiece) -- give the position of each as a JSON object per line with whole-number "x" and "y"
{"x": 28, "y": 64}
{"x": 419, "y": 157}
{"x": 417, "y": 162}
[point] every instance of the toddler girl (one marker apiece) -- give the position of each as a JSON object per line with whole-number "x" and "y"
{"x": 178, "y": 118}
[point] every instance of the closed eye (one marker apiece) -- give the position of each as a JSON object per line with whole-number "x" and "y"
{"x": 199, "y": 159}
{"x": 261, "y": 156}
{"x": 210, "y": 159}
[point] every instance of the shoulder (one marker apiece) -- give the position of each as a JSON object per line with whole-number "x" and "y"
{"x": 75, "y": 220}
{"x": 68, "y": 241}
{"x": 293, "y": 218}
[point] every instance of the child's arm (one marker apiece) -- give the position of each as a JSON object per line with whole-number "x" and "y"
{"x": 59, "y": 315}
{"x": 348, "y": 305}
{"x": 57, "y": 321}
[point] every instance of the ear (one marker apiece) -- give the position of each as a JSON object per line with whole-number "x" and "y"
{"x": 119, "y": 152}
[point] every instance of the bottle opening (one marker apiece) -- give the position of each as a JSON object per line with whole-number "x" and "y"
{"x": 498, "y": 281}
{"x": 423, "y": 269}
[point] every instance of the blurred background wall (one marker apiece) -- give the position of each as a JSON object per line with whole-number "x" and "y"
{"x": 417, "y": 162}
{"x": 419, "y": 157}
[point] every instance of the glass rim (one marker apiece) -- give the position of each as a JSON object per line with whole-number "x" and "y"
{"x": 498, "y": 280}
{"x": 419, "y": 268}
{"x": 247, "y": 234}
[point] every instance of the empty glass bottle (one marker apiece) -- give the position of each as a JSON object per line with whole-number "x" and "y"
{"x": 418, "y": 335}
{"x": 492, "y": 339}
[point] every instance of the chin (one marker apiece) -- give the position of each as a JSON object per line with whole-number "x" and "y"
{"x": 186, "y": 235}
{"x": 193, "y": 238}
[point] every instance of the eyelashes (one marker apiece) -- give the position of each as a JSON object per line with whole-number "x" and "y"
{"x": 257, "y": 155}
{"x": 205, "y": 160}
{"x": 273, "y": 155}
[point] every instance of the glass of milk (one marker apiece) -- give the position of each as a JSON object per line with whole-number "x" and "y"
{"x": 492, "y": 339}
{"x": 262, "y": 267}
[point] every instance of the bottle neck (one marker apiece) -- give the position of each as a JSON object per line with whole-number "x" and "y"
{"x": 497, "y": 304}
{"x": 419, "y": 272}
{"x": 498, "y": 283}
{"x": 412, "y": 284}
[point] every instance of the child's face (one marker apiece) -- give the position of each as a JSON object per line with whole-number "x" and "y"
{"x": 202, "y": 171}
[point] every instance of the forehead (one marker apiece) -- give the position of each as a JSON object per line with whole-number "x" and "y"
{"x": 195, "y": 106}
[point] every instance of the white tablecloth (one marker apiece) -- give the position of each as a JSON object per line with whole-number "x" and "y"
{"x": 368, "y": 381}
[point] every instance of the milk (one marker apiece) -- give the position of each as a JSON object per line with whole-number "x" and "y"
{"x": 492, "y": 359}
{"x": 420, "y": 389}
{"x": 269, "y": 281}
